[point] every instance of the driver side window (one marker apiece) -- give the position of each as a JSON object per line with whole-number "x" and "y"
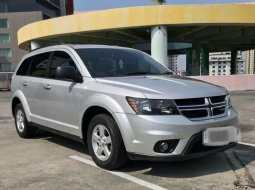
{"x": 60, "y": 58}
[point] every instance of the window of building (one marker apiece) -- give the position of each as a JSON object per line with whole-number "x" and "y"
{"x": 5, "y": 52}
{"x": 219, "y": 66}
{"x": 224, "y": 70}
{"x": 39, "y": 65}
{"x": 4, "y": 23}
{"x": 6, "y": 67}
{"x": 4, "y": 38}
{"x": 3, "y": 8}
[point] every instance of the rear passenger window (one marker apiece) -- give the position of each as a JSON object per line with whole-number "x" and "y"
{"x": 39, "y": 65}
{"x": 23, "y": 69}
{"x": 60, "y": 58}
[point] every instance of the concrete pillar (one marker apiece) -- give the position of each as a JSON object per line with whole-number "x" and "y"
{"x": 204, "y": 62}
{"x": 233, "y": 61}
{"x": 189, "y": 62}
{"x": 35, "y": 45}
{"x": 159, "y": 44}
{"x": 62, "y": 7}
{"x": 196, "y": 49}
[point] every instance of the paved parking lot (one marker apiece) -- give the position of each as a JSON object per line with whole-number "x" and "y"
{"x": 53, "y": 162}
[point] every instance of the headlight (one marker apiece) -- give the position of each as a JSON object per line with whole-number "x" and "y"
{"x": 229, "y": 101}
{"x": 145, "y": 106}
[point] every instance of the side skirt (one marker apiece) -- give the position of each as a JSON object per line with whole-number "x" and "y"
{"x": 61, "y": 133}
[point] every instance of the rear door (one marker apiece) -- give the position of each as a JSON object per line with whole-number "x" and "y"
{"x": 32, "y": 86}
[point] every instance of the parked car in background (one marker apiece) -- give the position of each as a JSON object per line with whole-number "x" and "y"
{"x": 121, "y": 103}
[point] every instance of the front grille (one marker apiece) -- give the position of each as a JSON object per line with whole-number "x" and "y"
{"x": 202, "y": 108}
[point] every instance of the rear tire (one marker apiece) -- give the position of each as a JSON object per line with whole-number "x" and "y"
{"x": 105, "y": 143}
{"x": 24, "y": 130}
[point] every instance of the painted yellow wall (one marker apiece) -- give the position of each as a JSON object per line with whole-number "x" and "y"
{"x": 138, "y": 17}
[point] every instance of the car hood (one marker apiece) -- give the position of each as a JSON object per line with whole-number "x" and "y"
{"x": 166, "y": 86}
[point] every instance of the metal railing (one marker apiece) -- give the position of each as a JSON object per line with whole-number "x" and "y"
{"x": 5, "y": 80}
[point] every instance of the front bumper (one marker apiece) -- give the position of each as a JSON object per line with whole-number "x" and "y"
{"x": 141, "y": 132}
{"x": 193, "y": 149}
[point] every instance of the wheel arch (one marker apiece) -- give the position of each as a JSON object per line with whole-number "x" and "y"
{"x": 18, "y": 97}
{"x": 98, "y": 104}
{"x": 88, "y": 115}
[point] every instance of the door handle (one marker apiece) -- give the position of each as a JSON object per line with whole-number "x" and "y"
{"x": 47, "y": 86}
{"x": 24, "y": 83}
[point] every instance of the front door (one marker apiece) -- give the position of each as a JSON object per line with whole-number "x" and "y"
{"x": 64, "y": 97}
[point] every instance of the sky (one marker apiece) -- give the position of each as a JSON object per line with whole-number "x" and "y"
{"x": 86, "y": 5}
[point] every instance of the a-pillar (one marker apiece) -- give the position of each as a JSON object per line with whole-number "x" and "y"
{"x": 233, "y": 61}
{"x": 204, "y": 62}
{"x": 159, "y": 44}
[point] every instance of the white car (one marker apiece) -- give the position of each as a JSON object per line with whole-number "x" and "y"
{"x": 121, "y": 103}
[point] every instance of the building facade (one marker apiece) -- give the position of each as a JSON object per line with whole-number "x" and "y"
{"x": 177, "y": 64}
{"x": 220, "y": 63}
{"x": 249, "y": 64}
{"x": 15, "y": 14}
{"x": 173, "y": 63}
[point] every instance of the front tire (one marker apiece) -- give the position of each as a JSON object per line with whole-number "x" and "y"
{"x": 21, "y": 123}
{"x": 105, "y": 143}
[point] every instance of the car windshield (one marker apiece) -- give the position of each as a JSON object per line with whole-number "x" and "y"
{"x": 110, "y": 62}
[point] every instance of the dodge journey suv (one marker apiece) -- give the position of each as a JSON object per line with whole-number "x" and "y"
{"x": 121, "y": 103}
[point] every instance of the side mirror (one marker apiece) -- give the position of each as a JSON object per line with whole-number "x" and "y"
{"x": 69, "y": 73}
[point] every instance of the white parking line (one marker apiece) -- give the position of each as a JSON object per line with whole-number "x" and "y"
{"x": 248, "y": 144}
{"x": 121, "y": 174}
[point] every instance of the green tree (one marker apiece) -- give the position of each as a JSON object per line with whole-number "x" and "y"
{"x": 160, "y": 1}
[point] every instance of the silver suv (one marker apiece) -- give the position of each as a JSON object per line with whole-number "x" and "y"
{"x": 121, "y": 103}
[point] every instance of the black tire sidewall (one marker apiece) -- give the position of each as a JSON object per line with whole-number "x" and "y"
{"x": 117, "y": 144}
{"x": 27, "y": 130}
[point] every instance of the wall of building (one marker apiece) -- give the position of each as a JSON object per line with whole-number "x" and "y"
{"x": 249, "y": 64}
{"x": 220, "y": 64}
{"x": 50, "y": 8}
{"x": 15, "y": 22}
{"x": 19, "y": 13}
{"x": 231, "y": 82}
{"x": 177, "y": 64}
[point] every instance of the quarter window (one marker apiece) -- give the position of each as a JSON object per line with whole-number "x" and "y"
{"x": 39, "y": 65}
{"x": 23, "y": 69}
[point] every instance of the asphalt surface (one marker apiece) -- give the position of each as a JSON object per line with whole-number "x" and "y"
{"x": 44, "y": 162}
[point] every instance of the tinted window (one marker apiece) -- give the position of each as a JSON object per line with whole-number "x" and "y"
{"x": 39, "y": 65}
{"x": 60, "y": 58}
{"x": 23, "y": 69}
{"x": 102, "y": 62}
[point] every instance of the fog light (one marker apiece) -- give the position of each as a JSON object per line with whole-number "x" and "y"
{"x": 163, "y": 147}
{"x": 166, "y": 146}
